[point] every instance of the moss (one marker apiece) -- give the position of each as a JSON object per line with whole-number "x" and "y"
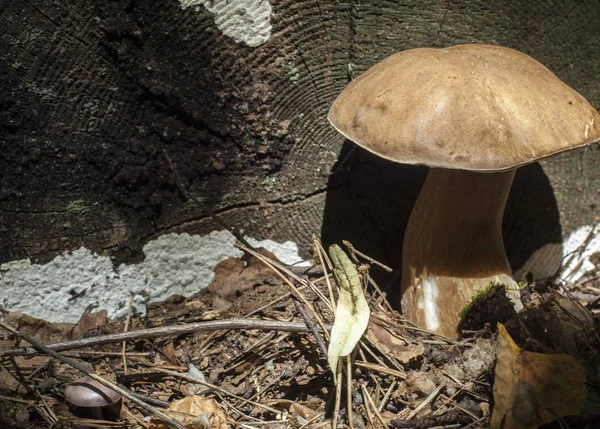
{"x": 481, "y": 294}
{"x": 11, "y": 408}
{"x": 77, "y": 207}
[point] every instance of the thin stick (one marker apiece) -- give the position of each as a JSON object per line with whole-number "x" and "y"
{"x": 90, "y": 423}
{"x": 380, "y": 368}
{"x": 39, "y": 369}
{"x": 412, "y": 327}
{"x": 162, "y": 331}
{"x": 363, "y": 346}
{"x": 262, "y": 391}
{"x": 10, "y": 398}
{"x": 349, "y": 391}
{"x": 125, "y": 329}
{"x": 450, "y": 400}
{"x": 217, "y": 388}
{"x": 52, "y": 417}
{"x": 372, "y": 406}
{"x": 352, "y": 249}
{"x": 474, "y": 425}
{"x": 273, "y": 301}
{"x": 323, "y": 298}
{"x": 338, "y": 398}
{"x": 367, "y": 408}
{"x": 322, "y": 258}
{"x": 206, "y": 343}
{"x": 228, "y": 404}
{"x": 310, "y": 324}
{"x": 311, "y": 420}
{"x": 380, "y": 292}
{"x": 264, "y": 341}
{"x": 121, "y": 391}
{"x": 429, "y": 399}
{"x": 387, "y": 395}
{"x": 281, "y": 270}
{"x": 136, "y": 419}
{"x": 102, "y": 354}
{"x": 272, "y": 264}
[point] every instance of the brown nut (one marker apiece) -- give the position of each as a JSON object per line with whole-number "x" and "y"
{"x": 90, "y": 399}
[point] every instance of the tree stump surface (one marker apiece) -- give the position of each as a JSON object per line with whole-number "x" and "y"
{"x": 94, "y": 93}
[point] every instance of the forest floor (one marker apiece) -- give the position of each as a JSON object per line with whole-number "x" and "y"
{"x": 249, "y": 352}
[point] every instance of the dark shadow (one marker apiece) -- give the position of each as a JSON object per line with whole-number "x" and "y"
{"x": 371, "y": 199}
{"x": 369, "y": 205}
{"x": 531, "y": 227}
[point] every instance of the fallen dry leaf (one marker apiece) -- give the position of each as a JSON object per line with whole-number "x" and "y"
{"x": 89, "y": 323}
{"x": 194, "y": 412}
{"x": 392, "y": 345}
{"x": 420, "y": 383}
{"x": 41, "y": 330}
{"x": 292, "y": 408}
{"x": 531, "y": 389}
{"x": 233, "y": 276}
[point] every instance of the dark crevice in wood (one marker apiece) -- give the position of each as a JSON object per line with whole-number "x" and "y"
{"x": 171, "y": 109}
{"x": 280, "y": 202}
{"x": 352, "y": 28}
{"x": 446, "y": 9}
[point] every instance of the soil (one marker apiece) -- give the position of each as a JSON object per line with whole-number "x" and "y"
{"x": 402, "y": 376}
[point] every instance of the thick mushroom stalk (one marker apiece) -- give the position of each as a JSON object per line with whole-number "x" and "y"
{"x": 453, "y": 246}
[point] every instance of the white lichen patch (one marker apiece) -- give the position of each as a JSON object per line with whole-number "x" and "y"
{"x": 245, "y": 21}
{"x": 288, "y": 252}
{"x": 62, "y": 289}
{"x": 577, "y": 249}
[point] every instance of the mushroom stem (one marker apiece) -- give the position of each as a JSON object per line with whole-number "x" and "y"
{"x": 453, "y": 246}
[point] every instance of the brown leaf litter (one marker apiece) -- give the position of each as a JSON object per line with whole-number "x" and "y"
{"x": 254, "y": 361}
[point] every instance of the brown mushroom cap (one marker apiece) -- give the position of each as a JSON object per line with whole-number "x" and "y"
{"x": 472, "y": 107}
{"x": 89, "y": 393}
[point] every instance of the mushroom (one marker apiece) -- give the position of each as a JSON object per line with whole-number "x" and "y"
{"x": 474, "y": 114}
{"x": 91, "y": 399}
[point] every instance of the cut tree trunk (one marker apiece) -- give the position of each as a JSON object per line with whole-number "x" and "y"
{"x": 95, "y": 93}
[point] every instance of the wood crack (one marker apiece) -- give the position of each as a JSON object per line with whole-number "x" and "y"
{"x": 352, "y": 29}
{"x": 163, "y": 105}
{"x": 61, "y": 29}
{"x": 281, "y": 202}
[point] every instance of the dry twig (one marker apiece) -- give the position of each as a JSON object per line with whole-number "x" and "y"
{"x": 210, "y": 325}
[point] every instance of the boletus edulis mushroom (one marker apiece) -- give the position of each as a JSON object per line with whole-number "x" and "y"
{"x": 474, "y": 114}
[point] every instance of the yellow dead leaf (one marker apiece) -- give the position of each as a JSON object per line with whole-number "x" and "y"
{"x": 352, "y": 311}
{"x": 194, "y": 412}
{"x": 531, "y": 389}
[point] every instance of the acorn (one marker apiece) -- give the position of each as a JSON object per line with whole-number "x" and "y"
{"x": 90, "y": 399}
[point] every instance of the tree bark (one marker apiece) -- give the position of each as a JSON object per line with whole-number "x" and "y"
{"x": 92, "y": 93}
